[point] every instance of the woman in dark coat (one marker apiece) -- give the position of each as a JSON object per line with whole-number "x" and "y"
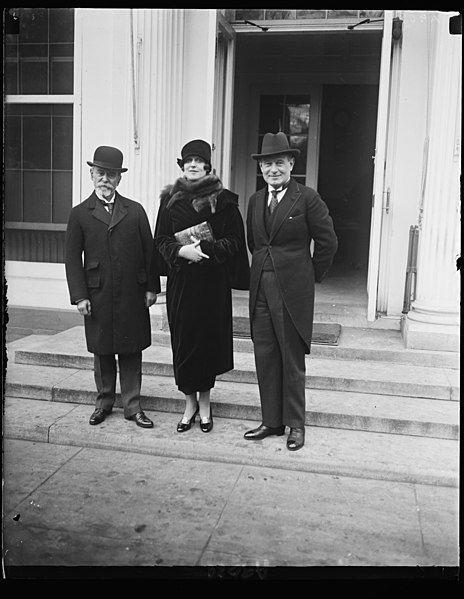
{"x": 200, "y": 276}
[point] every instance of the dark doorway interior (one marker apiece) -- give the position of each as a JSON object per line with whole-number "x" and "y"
{"x": 346, "y": 166}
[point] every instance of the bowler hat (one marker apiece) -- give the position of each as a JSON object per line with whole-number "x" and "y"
{"x": 196, "y": 147}
{"x": 108, "y": 158}
{"x": 275, "y": 144}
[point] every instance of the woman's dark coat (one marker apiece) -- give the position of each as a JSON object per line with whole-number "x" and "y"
{"x": 301, "y": 217}
{"x": 198, "y": 295}
{"x": 108, "y": 262}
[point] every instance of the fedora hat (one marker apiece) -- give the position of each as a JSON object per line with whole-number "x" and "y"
{"x": 196, "y": 147}
{"x": 108, "y": 158}
{"x": 275, "y": 144}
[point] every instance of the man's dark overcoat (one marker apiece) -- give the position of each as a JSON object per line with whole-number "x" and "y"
{"x": 301, "y": 216}
{"x": 198, "y": 296}
{"x": 108, "y": 262}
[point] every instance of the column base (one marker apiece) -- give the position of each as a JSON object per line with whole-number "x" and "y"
{"x": 430, "y": 336}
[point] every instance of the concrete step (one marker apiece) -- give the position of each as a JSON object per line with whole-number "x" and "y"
{"x": 356, "y": 344}
{"x": 341, "y": 304}
{"x": 67, "y": 349}
{"x": 324, "y": 408}
{"x": 336, "y": 452}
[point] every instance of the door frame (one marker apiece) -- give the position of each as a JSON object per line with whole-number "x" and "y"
{"x": 223, "y": 99}
{"x": 381, "y": 140}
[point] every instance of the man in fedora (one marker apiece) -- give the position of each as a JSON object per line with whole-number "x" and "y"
{"x": 108, "y": 251}
{"x": 282, "y": 220}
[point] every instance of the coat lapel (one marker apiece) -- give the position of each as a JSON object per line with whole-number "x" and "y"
{"x": 284, "y": 207}
{"x": 120, "y": 211}
{"x": 98, "y": 211}
{"x": 260, "y": 223}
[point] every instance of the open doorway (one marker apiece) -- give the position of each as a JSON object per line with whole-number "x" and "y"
{"x": 332, "y": 77}
{"x": 346, "y": 166}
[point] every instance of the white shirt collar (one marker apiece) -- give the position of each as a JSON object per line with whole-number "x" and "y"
{"x": 280, "y": 189}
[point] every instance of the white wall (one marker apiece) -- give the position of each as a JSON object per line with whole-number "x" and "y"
{"x": 198, "y": 77}
{"x": 102, "y": 54}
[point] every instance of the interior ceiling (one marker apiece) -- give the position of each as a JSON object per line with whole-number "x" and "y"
{"x": 300, "y": 52}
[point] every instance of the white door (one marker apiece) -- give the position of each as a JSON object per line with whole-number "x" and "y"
{"x": 379, "y": 171}
{"x": 223, "y": 99}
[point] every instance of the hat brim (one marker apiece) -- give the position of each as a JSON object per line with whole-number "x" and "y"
{"x": 180, "y": 162}
{"x": 107, "y": 167}
{"x": 293, "y": 151}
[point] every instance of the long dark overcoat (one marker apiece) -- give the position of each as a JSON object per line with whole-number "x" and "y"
{"x": 198, "y": 295}
{"x": 301, "y": 216}
{"x": 108, "y": 262}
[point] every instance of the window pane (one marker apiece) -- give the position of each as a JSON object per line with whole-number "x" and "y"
{"x": 34, "y": 77}
{"x": 38, "y": 147}
{"x": 62, "y": 143}
{"x": 13, "y": 196}
{"x": 62, "y": 77}
{"x": 11, "y": 77}
{"x": 37, "y": 197}
{"x": 33, "y": 24}
{"x": 61, "y": 25}
{"x": 33, "y": 51}
{"x": 37, "y": 142}
{"x": 62, "y": 197}
{"x": 270, "y": 114}
{"x": 298, "y": 118}
{"x": 12, "y": 147}
{"x": 44, "y": 35}
{"x": 301, "y": 143}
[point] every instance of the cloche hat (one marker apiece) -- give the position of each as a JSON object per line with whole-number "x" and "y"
{"x": 108, "y": 158}
{"x": 275, "y": 144}
{"x": 196, "y": 147}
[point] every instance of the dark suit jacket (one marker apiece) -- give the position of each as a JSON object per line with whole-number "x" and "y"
{"x": 108, "y": 262}
{"x": 301, "y": 216}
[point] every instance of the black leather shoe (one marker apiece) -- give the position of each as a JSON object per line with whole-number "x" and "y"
{"x": 185, "y": 426}
{"x": 141, "y": 420}
{"x": 99, "y": 415}
{"x": 264, "y": 431}
{"x": 296, "y": 439}
{"x": 206, "y": 424}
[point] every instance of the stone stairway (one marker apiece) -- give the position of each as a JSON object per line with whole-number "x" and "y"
{"x": 368, "y": 382}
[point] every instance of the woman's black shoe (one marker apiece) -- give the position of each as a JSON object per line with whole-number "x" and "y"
{"x": 182, "y": 426}
{"x": 207, "y": 424}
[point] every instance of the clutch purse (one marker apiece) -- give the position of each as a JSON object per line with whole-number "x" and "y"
{"x": 202, "y": 231}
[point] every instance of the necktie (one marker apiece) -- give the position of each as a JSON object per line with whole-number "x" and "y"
{"x": 274, "y": 201}
{"x": 108, "y": 206}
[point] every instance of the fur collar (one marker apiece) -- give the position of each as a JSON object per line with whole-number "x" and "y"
{"x": 201, "y": 193}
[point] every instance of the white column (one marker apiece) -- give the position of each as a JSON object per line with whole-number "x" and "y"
{"x": 433, "y": 322}
{"x": 158, "y": 55}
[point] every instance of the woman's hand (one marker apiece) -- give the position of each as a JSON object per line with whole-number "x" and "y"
{"x": 192, "y": 252}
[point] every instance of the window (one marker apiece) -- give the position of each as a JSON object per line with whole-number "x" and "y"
{"x": 289, "y": 114}
{"x": 38, "y": 131}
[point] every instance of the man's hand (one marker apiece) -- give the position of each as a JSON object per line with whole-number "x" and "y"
{"x": 84, "y": 307}
{"x": 150, "y": 298}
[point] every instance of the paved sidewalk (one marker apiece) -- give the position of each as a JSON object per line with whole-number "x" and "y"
{"x": 94, "y": 503}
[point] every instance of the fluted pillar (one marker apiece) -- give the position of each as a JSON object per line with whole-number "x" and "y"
{"x": 433, "y": 321}
{"x": 154, "y": 97}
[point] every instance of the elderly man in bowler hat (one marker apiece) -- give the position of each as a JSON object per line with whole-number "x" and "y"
{"x": 108, "y": 254}
{"x": 282, "y": 220}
